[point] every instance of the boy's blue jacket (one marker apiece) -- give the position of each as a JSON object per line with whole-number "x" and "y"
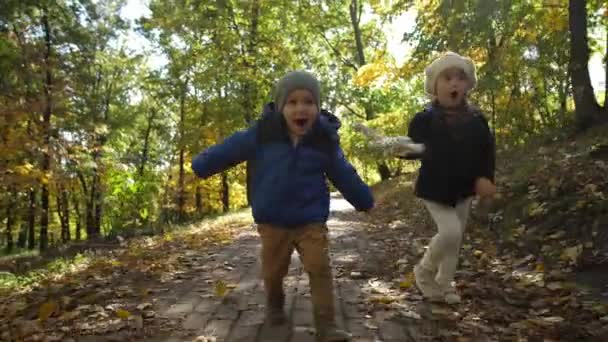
{"x": 289, "y": 182}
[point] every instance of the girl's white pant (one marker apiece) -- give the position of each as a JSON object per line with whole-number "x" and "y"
{"x": 444, "y": 250}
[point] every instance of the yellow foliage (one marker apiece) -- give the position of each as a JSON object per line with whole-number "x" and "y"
{"x": 371, "y": 72}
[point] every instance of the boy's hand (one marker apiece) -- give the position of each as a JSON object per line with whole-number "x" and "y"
{"x": 484, "y": 187}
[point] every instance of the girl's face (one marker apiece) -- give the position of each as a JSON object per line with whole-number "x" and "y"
{"x": 451, "y": 88}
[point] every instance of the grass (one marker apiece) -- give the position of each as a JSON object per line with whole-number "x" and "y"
{"x": 211, "y": 230}
{"x": 17, "y": 253}
{"x": 59, "y": 267}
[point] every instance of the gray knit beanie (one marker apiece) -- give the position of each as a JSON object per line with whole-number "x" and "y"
{"x": 293, "y": 81}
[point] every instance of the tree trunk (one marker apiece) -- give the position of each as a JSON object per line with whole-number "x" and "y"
{"x": 181, "y": 191}
{"x": 225, "y": 192}
{"x": 606, "y": 71}
{"x": 92, "y": 232}
{"x": 22, "y": 239}
{"x": 98, "y": 209}
{"x": 76, "y": 205}
{"x": 46, "y": 131}
{"x": 356, "y": 10}
{"x": 10, "y": 219}
{"x": 60, "y": 214}
{"x": 31, "y": 223}
{"x": 198, "y": 199}
{"x": 144, "y": 152}
{"x": 586, "y": 106}
{"x": 249, "y": 90}
{"x": 64, "y": 214}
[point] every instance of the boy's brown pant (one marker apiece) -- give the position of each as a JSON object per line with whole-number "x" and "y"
{"x": 311, "y": 242}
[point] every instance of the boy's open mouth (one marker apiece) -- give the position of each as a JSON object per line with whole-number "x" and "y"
{"x": 301, "y": 122}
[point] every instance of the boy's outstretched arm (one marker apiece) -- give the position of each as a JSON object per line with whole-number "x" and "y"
{"x": 345, "y": 178}
{"x": 235, "y": 149}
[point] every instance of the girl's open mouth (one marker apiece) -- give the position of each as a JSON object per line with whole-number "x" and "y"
{"x": 301, "y": 122}
{"x": 454, "y": 94}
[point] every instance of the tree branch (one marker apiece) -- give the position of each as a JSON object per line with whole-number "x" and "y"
{"x": 337, "y": 52}
{"x": 352, "y": 111}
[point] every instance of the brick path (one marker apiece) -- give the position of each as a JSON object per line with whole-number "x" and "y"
{"x": 239, "y": 316}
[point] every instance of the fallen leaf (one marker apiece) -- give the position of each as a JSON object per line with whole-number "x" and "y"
{"x": 124, "y": 314}
{"x": 70, "y": 315}
{"x": 47, "y": 309}
{"x": 571, "y": 254}
{"x": 553, "y": 319}
{"x": 557, "y": 235}
{"x": 555, "y": 286}
{"x": 382, "y": 299}
{"x": 220, "y": 288}
{"x": 407, "y": 282}
{"x": 144, "y": 306}
{"x": 410, "y": 314}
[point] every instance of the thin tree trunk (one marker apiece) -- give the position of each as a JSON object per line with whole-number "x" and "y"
{"x": 225, "y": 192}
{"x": 198, "y": 199}
{"x": 606, "y": 70}
{"x": 31, "y": 223}
{"x": 586, "y": 106}
{"x": 90, "y": 215}
{"x": 144, "y": 152}
{"x": 46, "y": 131}
{"x": 98, "y": 209}
{"x": 60, "y": 214}
{"x": 64, "y": 214}
{"x": 10, "y": 219}
{"x": 181, "y": 191}
{"x": 249, "y": 90}
{"x": 22, "y": 239}
{"x": 356, "y": 11}
{"x": 76, "y": 205}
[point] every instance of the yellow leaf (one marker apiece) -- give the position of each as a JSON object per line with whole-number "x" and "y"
{"x": 124, "y": 314}
{"x": 540, "y": 267}
{"x": 571, "y": 254}
{"x": 220, "y": 288}
{"x": 47, "y": 309}
{"x": 536, "y": 209}
{"x": 382, "y": 299}
{"x": 144, "y": 292}
{"x": 407, "y": 282}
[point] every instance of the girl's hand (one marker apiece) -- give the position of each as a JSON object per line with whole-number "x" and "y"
{"x": 484, "y": 187}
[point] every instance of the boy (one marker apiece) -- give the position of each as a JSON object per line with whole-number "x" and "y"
{"x": 456, "y": 148}
{"x": 294, "y": 147}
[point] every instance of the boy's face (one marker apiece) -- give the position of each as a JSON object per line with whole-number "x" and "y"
{"x": 300, "y": 111}
{"x": 452, "y": 85}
